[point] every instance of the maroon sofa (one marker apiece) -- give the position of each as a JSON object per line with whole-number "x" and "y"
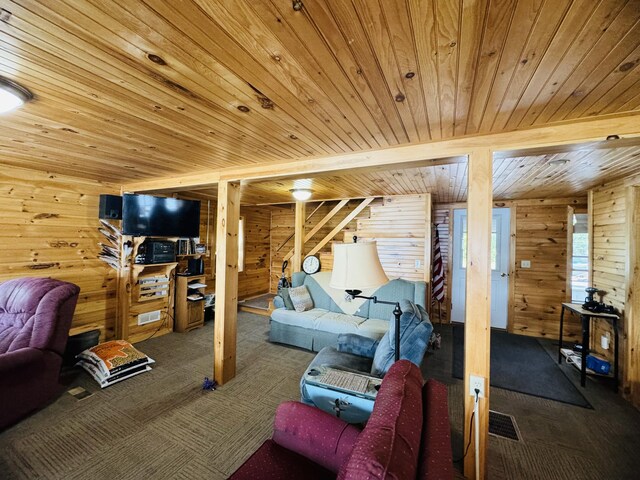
{"x": 406, "y": 437}
{"x": 35, "y": 317}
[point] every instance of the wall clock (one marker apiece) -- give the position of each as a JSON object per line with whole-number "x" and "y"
{"x": 311, "y": 265}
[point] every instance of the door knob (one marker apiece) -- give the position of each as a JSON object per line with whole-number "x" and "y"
{"x": 503, "y": 275}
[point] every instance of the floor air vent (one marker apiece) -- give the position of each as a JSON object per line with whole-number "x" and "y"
{"x": 502, "y": 425}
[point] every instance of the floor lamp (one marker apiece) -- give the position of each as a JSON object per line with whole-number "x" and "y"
{"x": 356, "y": 267}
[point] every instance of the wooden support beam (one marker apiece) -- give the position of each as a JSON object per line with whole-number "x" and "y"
{"x": 513, "y": 229}
{"x": 123, "y": 286}
{"x": 225, "y": 328}
{"x": 477, "y": 327}
{"x": 320, "y": 224}
{"x": 341, "y": 225}
{"x": 590, "y": 237}
{"x": 562, "y": 133}
{"x": 298, "y": 237}
{"x": 631, "y": 380}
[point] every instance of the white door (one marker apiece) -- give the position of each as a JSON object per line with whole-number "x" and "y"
{"x": 499, "y": 266}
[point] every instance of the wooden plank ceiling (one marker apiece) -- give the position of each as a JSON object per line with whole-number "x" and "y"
{"x": 134, "y": 89}
{"x": 514, "y": 178}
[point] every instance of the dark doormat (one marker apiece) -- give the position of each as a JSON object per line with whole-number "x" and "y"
{"x": 521, "y": 364}
{"x": 503, "y": 425}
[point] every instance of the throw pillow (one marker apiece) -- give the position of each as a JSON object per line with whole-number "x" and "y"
{"x": 286, "y": 298}
{"x": 415, "y": 330}
{"x": 301, "y": 299}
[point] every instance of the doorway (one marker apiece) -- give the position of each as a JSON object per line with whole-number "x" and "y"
{"x": 499, "y": 266}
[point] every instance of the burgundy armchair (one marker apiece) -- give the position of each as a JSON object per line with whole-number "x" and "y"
{"x": 406, "y": 437}
{"x": 35, "y": 317}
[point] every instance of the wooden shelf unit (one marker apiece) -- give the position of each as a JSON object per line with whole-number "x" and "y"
{"x": 138, "y": 294}
{"x": 189, "y": 314}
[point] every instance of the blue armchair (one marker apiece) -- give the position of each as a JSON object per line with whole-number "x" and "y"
{"x": 374, "y": 357}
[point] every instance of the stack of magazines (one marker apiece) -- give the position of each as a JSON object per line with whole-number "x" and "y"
{"x": 114, "y": 361}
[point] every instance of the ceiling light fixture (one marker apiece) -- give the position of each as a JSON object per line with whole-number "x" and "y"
{"x": 559, "y": 161}
{"x": 12, "y": 95}
{"x": 301, "y": 194}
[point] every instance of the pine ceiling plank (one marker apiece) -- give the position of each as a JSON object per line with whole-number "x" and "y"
{"x": 613, "y": 38}
{"x": 252, "y": 34}
{"x": 526, "y": 14}
{"x": 187, "y": 61}
{"x": 581, "y": 16}
{"x": 422, "y": 16}
{"x": 496, "y": 27}
{"x": 198, "y": 106}
{"x": 325, "y": 26}
{"x": 307, "y": 45}
{"x": 618, "y": 80}
{"x": 548, "y": 21}
{"x": 111, "y": 93}
{"x": 448, "y": 39}
{"x": 472, "y": 22}
{"x": 402, "y": 58}
{"x": 610, "y": 101}
{"x": 342, "y": 14}
{"x": 217, "y": 41}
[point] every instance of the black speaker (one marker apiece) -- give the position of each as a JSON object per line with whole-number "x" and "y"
{"x": 196, "y": 266}
{"x": 111, "y": 207}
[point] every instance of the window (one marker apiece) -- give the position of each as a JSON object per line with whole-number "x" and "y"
{"x": 494, "y": 244}
{"x": 579, "y": 258}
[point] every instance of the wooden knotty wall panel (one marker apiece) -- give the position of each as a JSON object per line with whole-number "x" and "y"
{"x": 541, "y": 238}
{"x": 49, "y": 228}
{"x": 254, "y": 279}
{"x": 610, "y": 250}
{"x": 398, "y": 225}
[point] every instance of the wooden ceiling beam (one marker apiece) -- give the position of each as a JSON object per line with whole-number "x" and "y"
{"x": 562, "y": 133}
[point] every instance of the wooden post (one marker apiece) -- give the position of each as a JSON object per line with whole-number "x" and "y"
{"x": 298, "y": 238}
{"x": 477, "y": 327}
{"x": 225, "y": 327}
{"x": 631, "y": 352}
{"x": 590, "y": 237}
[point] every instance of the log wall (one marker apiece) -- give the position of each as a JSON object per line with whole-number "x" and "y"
{"x": 49, "y": 228}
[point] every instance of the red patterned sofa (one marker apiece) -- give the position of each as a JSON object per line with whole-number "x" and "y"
{"x": 407, "y": 437}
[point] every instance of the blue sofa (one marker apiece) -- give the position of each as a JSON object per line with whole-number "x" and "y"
{"x": 332, "y": 315}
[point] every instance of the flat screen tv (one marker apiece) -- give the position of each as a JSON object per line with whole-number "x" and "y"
{"x": 145, "y": 215}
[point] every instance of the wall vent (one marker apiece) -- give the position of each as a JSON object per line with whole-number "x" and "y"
{"x": 149, "y": 317}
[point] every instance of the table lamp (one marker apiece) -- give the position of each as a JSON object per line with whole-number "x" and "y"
{"x": 356, "y": 267}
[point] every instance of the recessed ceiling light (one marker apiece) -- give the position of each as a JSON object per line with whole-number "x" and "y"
{"x": 12, "y": 95}
{"x": 301, "y": 194}
{"x": 559, "y": 161}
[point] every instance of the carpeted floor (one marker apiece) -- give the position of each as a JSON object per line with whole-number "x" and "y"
{"x": 521, "y": 364}
{"x": 162, "y": 426}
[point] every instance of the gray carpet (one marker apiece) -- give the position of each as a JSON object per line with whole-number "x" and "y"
{"x": 162, "y": 426}
{"x": 521, "y": 364}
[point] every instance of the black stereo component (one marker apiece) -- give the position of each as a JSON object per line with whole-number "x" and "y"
{"x": 196, "y": 266}
{"x": 156, "y": 251}
{"x": 110, "y": 207}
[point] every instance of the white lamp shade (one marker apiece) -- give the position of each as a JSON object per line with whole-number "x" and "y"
{"x": 9, "y": 101}
{"x": 356, "y": 266}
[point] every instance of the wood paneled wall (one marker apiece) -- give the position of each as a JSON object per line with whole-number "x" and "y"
{"x": 541, "y": 237}
{"x": 397, "y": 224}
{"x": 254, "y": 278}
{"x": 610, "y": 251}
{"x": 49, "y": 228}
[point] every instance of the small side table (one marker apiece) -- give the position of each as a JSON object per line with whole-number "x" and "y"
{"x": 337, "y": 399}
{"x": 585, "y": 319}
